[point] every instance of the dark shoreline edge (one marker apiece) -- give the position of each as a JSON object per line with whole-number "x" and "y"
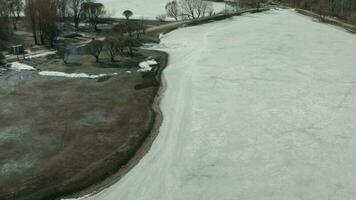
{"x": 328, "y": 20}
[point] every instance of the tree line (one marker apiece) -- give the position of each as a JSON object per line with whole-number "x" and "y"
{"x": 343, "y": 9}
{"x": 189, "y": 9}
{"x": 120, "y": 41}
{"x": 41, "y": 17}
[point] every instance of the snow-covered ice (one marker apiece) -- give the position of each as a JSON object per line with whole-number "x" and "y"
{"x": 148, "y": 9}
{"x": 258, "y": 107}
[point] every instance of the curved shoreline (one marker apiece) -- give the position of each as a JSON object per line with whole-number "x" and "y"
{"x": 147, "y": 141}
{"x": 156, "y": 113}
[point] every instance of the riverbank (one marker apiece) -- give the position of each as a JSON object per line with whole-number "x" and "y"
{"x": 327, "y": 19}
{"x": 60, "y": 135}
{"x": 154, "y": 33}
{"x": 82, "y": 126}
{"x": 146, "y": 143}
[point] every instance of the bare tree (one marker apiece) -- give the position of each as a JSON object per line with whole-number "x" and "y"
{"x": 188, "y": 8}
{"x": 41, "y": 18}
{"x": 16, "y": 7}
{"x": 31, "y": 18}
{"x": 114, "y": 46}
{"x": 172, "y": 9}
{"x": 195, "y": 8}
{"x": 210, "y": 10}
{"x": 5, "y": 32}
{"x": 62, "y": 7}
{"x": 201, "y": 7}
{"x": 93, "y": 11}
{"x": 94, "y": 48}
{"x": 76, "y": 9}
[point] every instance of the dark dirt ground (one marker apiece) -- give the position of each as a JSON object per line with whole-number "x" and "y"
{"x": 62, "y": 135}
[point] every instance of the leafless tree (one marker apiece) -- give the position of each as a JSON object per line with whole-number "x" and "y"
{"x": 93, "y": 11}
{"x": 94, "y": 48}
{"x": 75, "y": 7}
{"x": 188, "y": 8}
{"x": 31, "y": 18}
{"x": 172, "y": 9}
{"x": 16, "y": 7}
{"x": 114, "y": 46}
{"x": 194, "y": 8}
{"x": 62, "y": 7}
{"x": 41, "y": 16}
{"x": 4, "y": 24}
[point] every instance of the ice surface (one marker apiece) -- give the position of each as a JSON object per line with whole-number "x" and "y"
{"x": 258, "y": 107}
{"x": 148, "y": 9}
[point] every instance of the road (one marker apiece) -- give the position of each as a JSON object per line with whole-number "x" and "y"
{"x": 257, "y": 107}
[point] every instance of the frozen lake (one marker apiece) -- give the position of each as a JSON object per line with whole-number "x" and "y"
{"x": 258, "y": 107}
{"x": 148, "y": 9}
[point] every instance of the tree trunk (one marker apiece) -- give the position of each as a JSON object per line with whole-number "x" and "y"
{"x": 35, "y": 37}
{"x": 97, "y": 59}
{"x": 14, "y": 25}
{"x": 76, "y": 22}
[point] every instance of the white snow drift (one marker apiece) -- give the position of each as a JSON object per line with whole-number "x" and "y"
{"x": 260, "y": 107}
{"x": 74, "y": 75}
{"x": 16, "y": 66}
{"x": 146, "y": 66}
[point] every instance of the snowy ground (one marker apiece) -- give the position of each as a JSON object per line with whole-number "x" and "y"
{"x": 148, "y": 9}
{"x": 259, "y": 107}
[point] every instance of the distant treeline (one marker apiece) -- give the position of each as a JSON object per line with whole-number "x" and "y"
{"x": 343, "y": 9}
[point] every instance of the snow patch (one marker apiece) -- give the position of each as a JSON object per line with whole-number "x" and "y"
{"x": 74, "y": 75}
{"x": 41, "y": 54}
{"x": 16, "y": 66}
{"x": 146, "y": 65}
